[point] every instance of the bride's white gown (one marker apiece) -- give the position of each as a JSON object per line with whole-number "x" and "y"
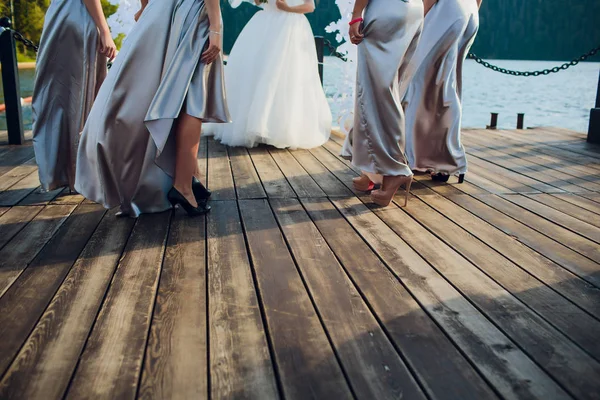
{"x": 272, "y": 82}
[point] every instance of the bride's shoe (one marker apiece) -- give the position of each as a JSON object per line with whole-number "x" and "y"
{"x": 383, "y": 197}
{"x": 363, "y": 183}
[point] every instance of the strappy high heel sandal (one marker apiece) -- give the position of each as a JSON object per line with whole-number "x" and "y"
{"x": 363, "y": 183}
{"x": 383, "y": 197}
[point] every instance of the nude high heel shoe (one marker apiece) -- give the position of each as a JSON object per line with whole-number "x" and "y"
{"x": 383, "y": 197}
{"x": 363, "y": 183}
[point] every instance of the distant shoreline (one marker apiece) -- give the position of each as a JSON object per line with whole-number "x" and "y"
{"x": 26, "y": 65}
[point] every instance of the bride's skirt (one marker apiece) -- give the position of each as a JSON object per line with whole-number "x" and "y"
{"x": 273, "y": 88}
{"x": 126, "y": 155}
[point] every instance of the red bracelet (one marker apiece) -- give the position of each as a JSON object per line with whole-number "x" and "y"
{"x": 355, "y": 20}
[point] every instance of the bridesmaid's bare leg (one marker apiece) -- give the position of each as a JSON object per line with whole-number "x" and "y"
{"x": 187, "y": 139}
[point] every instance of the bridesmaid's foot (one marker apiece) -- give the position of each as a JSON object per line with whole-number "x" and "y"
{"x": 440, "y": 177}
{"x": 192, "y": 208}
{"x": 383, "y": 197}
{"x": 363, "y": 183}
{"x": 187, "y": 194}
{"x": 201, "y": 193}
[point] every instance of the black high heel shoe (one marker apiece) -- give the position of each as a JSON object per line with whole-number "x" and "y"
{"x": 439, "y": 177}
{"x": 177, "y": 198}
{"x": 201, "y": 193}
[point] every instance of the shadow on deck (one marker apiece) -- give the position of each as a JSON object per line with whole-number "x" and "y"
{"x": 297, "y": 287}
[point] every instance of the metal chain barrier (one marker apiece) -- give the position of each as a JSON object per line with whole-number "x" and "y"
{"x": 554, "y": 70}
{"x": 28, "y": 43}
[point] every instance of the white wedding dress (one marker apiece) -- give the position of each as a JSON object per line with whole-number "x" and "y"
{"x": 272, "y": 82}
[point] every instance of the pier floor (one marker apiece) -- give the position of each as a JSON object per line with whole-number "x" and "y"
{"x": 296, "y": 287}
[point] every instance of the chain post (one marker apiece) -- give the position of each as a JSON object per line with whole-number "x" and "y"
{"x": 320, "y": 43}
{"x": 594, "y": 125}
{"x": 10, "y": 82}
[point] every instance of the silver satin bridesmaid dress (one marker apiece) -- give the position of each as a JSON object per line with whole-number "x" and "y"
{"x": 127, "y": 152}
{"x": 69, "y": 71}
{"x": 433, "y": 102}
{"x": 376, "y": 142}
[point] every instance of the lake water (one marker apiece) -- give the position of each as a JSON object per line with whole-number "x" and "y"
{"x": 563, "y": 99}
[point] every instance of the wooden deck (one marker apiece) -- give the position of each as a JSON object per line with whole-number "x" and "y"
{"x": 295, "y": 287}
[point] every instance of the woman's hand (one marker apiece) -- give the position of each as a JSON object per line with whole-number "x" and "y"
{"x": 107, "y": 45}
{"x": 138, "y": 14}
{"x": 282, "y": 5}
{"x": 214, "y": 47}
{"x": 355, "y": 32}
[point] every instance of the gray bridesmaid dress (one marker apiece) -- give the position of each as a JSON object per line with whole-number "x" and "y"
{"x": 433, "y": 104}
{"x": 126, "y": 156}
{"x": 391, "y": 33}
{"x": 69, "y": 71}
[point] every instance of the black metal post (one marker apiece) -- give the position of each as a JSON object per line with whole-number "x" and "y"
{"x": 320, "y": 43}
{"x": 493, "y": 122}
{"x": 594, "y": 127}
{"x": 520, "y": 121}
{"x": 10, "y": 81}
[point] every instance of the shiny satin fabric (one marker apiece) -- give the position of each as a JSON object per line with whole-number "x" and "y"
{"x": 69, "y": 71}
{"x": 127, "y": 152}
{"x": 433, "y": 104}
{"x": 376, "y": 142}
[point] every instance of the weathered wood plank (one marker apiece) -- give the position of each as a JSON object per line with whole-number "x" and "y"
{"x": 28, "y": 297}
{"x": 38, "y": 197}
{"x": 112, "y": 359}
{"x": 220, "y": 180}
{"x": 299, "y": 179}
{"x": 203, "y": 158}
{"x": 557, "y": 217}
{"x": 271, "y": 176}
{"x": 512, "y": 373}
{"x": 580, "y": 202}
{"x": 240, "y": 361}
{"x": 175, "y": 366}
{"x": 306, "y": 362}
{"x": 326, "y": 180}
{"x": 441, "y": 368}
{"x": 14, "y": 157}
{"x": 373, "y": 367}
{"x": 68, "y": 197}
{"x": 13, "y": 220}
{"x": 560, "y": 254}
{"x": 24, "y": 247}
{"x": 247, "y": 182}
{"x": 568, "y": 208}
{"x": 563, "y": 236}
{"x": 16, "y": 174}
{"x": 43, "y": 368}
{"x": 19, "y": 190}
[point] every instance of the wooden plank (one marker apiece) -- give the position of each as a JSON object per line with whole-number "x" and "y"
{"x": 28, "y": 297}
{"x": 112, "y": 359}
{"x": 271, "y": 176}
{"x": 441, "y": 368}
{"x": 532, "y": 166}
{"x": 43, "y": 368}
{"x": 4, "y": 210}
{"x": 24, "y": 247}
{"x": 299, "y": 179}
{"x": 20, "y": 190}
{"x": 373, "y": 367}
{"x": 575, "y": 323}
{"x": 579, "y": 201}
{"x": 240, "y": 361}
{"x": 325, "y": 179}
{"x": 307, "y": 365}
{"x": 13, "y": 220}
{"x": 560, "y": 254}
{"x": 568, "y": 208}
{"x": 561, "y": 235}
{"x": 556, "y": 354}
{"x": 175, "y": 365}
{"x": 220, "y": 180}
{"x": 203, "y": 159}
{"x": 247, "y": 182}
{"x": 16, "y": 174}
{"x": 39, "y": 197}
{"x": 14, "y": 157}
{"x": 557, "y": 217}
{"x": 68, "y": 197}
{"x": 511, "y": 145}
{"x": 511, "y": 372}
{"x": 564, "y": 282}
